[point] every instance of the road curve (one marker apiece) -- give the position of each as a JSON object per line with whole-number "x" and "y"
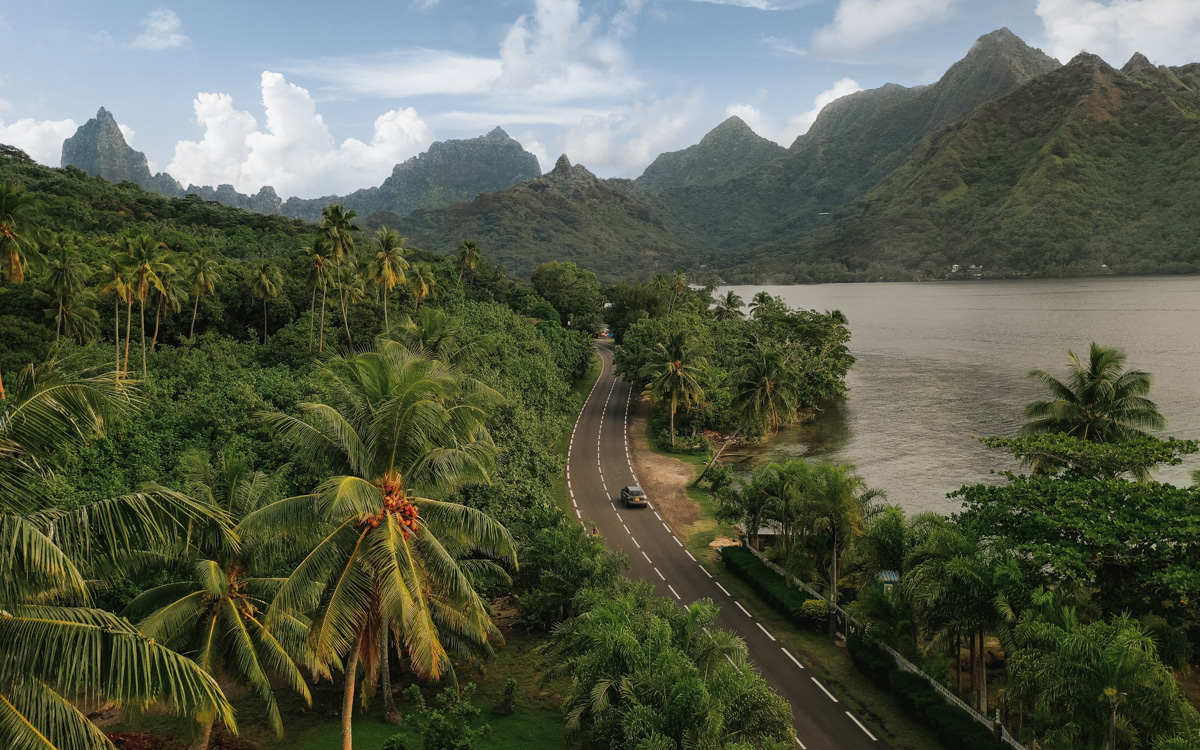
{"x": 598, "y": 465}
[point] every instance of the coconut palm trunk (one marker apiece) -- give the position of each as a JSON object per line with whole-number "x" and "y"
{"x": 713, "y": 460}
{"x": 385, "y": 303}
{"x": 157, "y": 317}
{"x": 117, "y": 335}
{"x": 195, "y": 311}
{"x": 321, "y": 340}
{"x": 264, "y": 321}
{"x": 142, "y": 315}
{"x": 348, "y": 694}
{"x": 983, "y": 697}
{"x": 128, "y": 328}
{"x": 2, "y": 396}
{"x": 58, "y": 321}
{"x": 391, "y": 714}
{"x": 345, "y": 318}
{"x": 201, "y": 742}
{"x": 312, "y": 317}
{"x": 674, "y": 406}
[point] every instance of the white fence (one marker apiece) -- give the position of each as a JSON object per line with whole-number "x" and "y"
{"x": 995, "y": 727}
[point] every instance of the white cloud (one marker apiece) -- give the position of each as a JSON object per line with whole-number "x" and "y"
{"x": 530, "y": 142}
{"x": 1166, "y": 31}
{"x": 625, "y": 141}
{"x": 783, "y": 45}
{"x": 554, "y": 54}
{"x": 798, "y": 125}
{"x": 761, "y": 4}
{"x": 127, "y": 132}
{"x": 160, "y": 30}
{"x": 861, "y": 24}
{"x": 5, "y": 106}
{"x": 752, "y": 116}
{"x": 295, "y": 153}
{"x": 41, "y": 139}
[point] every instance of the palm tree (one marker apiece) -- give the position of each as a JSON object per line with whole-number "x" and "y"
{"x": 678, "y": 284}
{"x": 318, "y": 276}
{"x": 764, "y": 396}
{"x": 402, "y": 429}
{"x": 57, "y": 648}
{"x": 421, "y": 281}
{"x": 17, "y": 231}
{"x": 387, "y": 268}
{"x": 169, "y": 297}
{"x": 468, "y": 258}
{"x": 760, "y": 303}
{"x": 350, "y": 290}
{"x": 729, "y": 306}
{"x": 76, "y": 316}
{"x": 839, "y": 501}
{"x": 338, "y": 229}
{"x": 203, "y": 275}
{"x": 114, "y": 275}
{"x": 148, "y": 266}
{"x": 952, "y": 589}
{"x": 266, "y": 284}
{"x": 435, "y": 333}
{"x": 217, "y": 615}
{"x": 1098, "y": 402}
{"x": 673, "y": 372}
{"x": 66, "y": 276}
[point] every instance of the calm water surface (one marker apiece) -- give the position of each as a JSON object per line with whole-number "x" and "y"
{"x": 940, "y": 364}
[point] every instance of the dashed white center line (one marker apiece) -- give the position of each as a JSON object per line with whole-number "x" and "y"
{"x": 723, "y": 591}
{"x": 705, "y": 570}
{"x": 660, "y": 575}
{"x": 789, "y": 655}
{"x": 622, "y": 520}
{"x": 635, "y": 541}
{"x": 765, "y": 631}
{"x": 676, "y": 593}
{"x": 860, "y": 726}
{"x": 739, "y": 606}
{"x": 801, "y": 744}
{"x": 626, "y": 529}
{"x": 647, "y": 557}
{"x": 823, "y": 690}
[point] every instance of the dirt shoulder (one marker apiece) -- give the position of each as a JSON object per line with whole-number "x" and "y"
{"x": 663, "y": 478}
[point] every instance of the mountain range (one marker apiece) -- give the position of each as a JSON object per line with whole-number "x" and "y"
{"x": 1011, "y": 164}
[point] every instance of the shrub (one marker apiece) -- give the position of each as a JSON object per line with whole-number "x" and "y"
{"x": 913, "y": 693}
{"x": 870, "y": 660}
{"x": 956, "y": 729}
{"x": 395, "y": 742}
{"x": 809, "y": 614}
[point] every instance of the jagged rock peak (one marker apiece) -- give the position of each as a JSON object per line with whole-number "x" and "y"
{"x": 99, "y": 148}
{"x": 562, "y": 167}
{"x": 1086, "y": 59}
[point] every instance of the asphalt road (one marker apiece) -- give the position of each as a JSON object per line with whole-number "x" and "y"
{"x": 598, "y": 466}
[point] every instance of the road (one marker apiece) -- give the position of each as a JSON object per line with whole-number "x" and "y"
{"x": 598, "y": 465}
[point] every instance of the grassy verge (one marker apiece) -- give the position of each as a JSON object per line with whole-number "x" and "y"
{"x": 580, "y": 390}
{"x": 828, "y": 661}
{"x": 536, "y": 722}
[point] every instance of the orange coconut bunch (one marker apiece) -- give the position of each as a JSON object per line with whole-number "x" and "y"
{"x": 396, "y": 503}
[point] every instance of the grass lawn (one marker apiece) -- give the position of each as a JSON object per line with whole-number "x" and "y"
{"x": 536, "y": 722}
{"x": 581, "y": 389}
{"x": 828, "y": 661}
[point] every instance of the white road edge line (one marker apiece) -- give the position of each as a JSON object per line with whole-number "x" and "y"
{"x": 704, "y": 569}
{"x": 577, "y": 513}
{"x": 739, "y": 606}
{"x": 789, "y": 655}
{"x": 765, "y": 631}
{"x": 860, "y": 726}
{"x": 824, "y": 690}
{"x": 723, "y": 591}
{"x": 689, "y": 554}
{"x": 677, "y": 541}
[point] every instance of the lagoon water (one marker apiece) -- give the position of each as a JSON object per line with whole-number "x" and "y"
{"x": 941, "y": 364}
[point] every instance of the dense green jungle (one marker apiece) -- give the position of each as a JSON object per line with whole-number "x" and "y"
{"x": 266, "y": 482}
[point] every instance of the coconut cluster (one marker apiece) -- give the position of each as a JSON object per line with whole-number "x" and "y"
{"x": 396, "y": 504}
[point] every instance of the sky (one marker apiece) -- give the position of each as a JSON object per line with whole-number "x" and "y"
{"x": 316, "y": 98}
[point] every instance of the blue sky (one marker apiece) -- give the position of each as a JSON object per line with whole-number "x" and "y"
{"x": 317, "y": 98}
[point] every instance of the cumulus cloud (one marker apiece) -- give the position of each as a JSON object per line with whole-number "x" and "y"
{"x": 752, "y": 116}
{"x": 862, "y": 24}
{"x": 625, "y": 141}
{"x": 554, "y": 54}
{"x": 761, "y": 4}
{"x": 530, "y": 141}
{"x": 160, "y": 30}
{"x": 1166, "y": 31}
{"x": 295, "y": 152}
{"x": 798, "y": 125}
{"x": 41, "y": 139}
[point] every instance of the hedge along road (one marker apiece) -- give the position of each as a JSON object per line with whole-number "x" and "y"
{"x": 598, "y": 466}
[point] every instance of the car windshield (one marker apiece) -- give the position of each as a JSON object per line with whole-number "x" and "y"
{"x": 635, "y": 490}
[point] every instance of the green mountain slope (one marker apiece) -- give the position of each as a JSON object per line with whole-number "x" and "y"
{"x": 853, "y": 145}
{"x": 728, "y": 150}
{"x": 1087, "y": 169}
{"x": 567, "y": 214}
